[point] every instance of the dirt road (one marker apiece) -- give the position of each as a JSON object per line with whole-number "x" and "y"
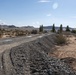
{"x": 8, "y": 43}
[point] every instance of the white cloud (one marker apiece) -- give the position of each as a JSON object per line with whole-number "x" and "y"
{"x": 55, "y": 5}
{"x": 48, "y": 15}
{"x": 44, "y": 1}
{"x": 36, "y": 23}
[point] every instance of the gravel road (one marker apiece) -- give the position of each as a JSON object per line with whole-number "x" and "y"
{"x": 8, "y": 43}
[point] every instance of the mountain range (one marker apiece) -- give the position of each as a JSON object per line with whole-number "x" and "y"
{"x": 29, "y": 27}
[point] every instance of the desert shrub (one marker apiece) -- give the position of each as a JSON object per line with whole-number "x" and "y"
{"x": 61, "y": 39}
{"x": 19, "y": 33}
{"x": 0, "y": 35}
{"x": 58, "y": 32}
{"x": 73, "y": 31}
{"x": 45, "y": 31}
{"x": 34, "y": 32}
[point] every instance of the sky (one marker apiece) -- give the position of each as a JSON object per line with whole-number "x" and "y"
{"x": 38, "y": 12}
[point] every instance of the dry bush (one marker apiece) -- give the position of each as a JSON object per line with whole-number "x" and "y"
{"x": 61, "y": 39}
{"x": 0, "y": 35}
{"x": 73, "y": 31}
{"x": 34, "y": 32}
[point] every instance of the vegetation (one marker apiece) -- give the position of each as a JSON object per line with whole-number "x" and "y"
{"x": 45, "y": 31}
{"x": 19, "y": 33}
{"x": 61, "y": 28}
{"x": 1, "y": 32}
{"x": 12, "y": 33}
{"x": 67, "y": 28}
{"x": 34, "y": 32}
{"x": 41, "y": 28}
{"x": 0, "y": 35}
{"x": 53, "y": 28}
{"x": 73, "y": 31}
{"x": 61, "y": 39}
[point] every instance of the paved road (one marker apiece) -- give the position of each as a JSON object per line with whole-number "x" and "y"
{"x": 8, "y": 43}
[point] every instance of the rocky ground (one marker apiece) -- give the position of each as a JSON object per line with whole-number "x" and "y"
{"x": 32, "y": 58}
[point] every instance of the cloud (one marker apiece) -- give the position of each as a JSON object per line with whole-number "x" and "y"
{"x": 48, "y": 15}
{"x": 36, "y": 23}
{"x": 55, "y": 5}
{"x": 44, "y": 1}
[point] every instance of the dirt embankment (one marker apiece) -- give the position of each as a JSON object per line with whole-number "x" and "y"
{"x": 32, "y": 59}
{"x": 67, "y": 53}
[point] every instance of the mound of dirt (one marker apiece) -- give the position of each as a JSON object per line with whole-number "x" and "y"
{"x": 32, "y": 59}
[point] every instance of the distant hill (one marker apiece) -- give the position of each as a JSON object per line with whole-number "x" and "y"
{"x": 49, "y": 28}
{"x": 3, "y": 26}
{"x": 27, "y": 27}
{"x": 9, "y": 27}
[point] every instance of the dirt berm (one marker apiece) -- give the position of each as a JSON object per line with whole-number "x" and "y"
{"x": 32, "y": 59}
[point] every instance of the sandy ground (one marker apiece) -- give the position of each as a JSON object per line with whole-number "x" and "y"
{"x": 66, "y": 51}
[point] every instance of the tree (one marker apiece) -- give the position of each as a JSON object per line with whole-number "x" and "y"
{"x": 41, "y": 28}
{"x": 67, "y": 28}
{"x": 61, "y": 28}
{"x": 53, "y": 28}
